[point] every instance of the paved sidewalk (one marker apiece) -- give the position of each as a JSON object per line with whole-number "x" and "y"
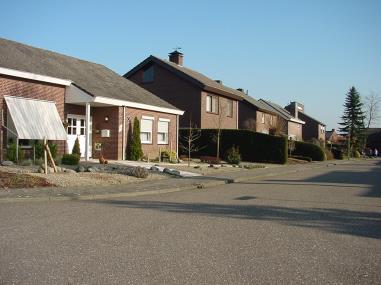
{"x": 153, "y": 186}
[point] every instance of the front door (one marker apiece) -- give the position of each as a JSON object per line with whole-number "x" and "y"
{"x": 76, "y": 127}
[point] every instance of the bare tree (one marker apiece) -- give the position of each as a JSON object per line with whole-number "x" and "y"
{"x": 372, "y": 109}
{"x": 189, "y": 139}
{"x": 218, "y": 122}
{"x": 372, "y": 112}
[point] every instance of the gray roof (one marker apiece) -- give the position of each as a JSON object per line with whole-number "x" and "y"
{"x": 95, "y": 79}
{"x": 258, "y": 104}
{"x": 192, "y": 75}
{"x": 278, "y": 109}
{"x": 308, "y": 116}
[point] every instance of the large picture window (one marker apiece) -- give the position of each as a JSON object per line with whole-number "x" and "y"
{"x": 162, "y": 131}
{"x": 146, "y": 130}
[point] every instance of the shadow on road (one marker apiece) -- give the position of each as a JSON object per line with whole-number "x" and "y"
{"x": 362, "y": 175}
{"x": 367, "y": 224}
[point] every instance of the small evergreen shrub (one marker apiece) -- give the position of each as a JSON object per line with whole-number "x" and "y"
{"x": 232, "y": 155}
{"x": 76, "y": 148}
{"x": 169, "y": 155}
{"x": 309, "y": 150}
{"x": 70, "y": 159}
{"x": 53, "y": 150}
{"x": 39, "y": 149}
{"x": 356, "y": 154}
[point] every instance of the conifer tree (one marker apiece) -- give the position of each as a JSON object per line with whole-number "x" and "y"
{"x": 135, "y": 151}
{"x": 76, "y": 147}
{"x": 353, "y": 120}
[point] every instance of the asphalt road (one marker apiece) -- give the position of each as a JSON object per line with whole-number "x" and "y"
{"x": 314, "y": 227}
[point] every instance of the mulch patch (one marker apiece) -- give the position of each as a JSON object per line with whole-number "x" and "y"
{"x": 19, "y": 180}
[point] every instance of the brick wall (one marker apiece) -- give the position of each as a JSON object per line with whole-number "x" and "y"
{"x": 211, "y": 120}
{"x": 11, "y": 86}
{"x": 152, "y": 150}
{"x": 175, "y": 90}
{"x": 295, "y": 129}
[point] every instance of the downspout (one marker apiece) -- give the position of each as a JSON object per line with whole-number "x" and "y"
{"x": 237, "y": 115}
{"x": 177, "y": 136}
{"x": 124, "y": 134}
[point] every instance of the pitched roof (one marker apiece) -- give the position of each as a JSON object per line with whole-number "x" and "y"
{"x": 258, "y": 104}
{"x": 95, "y": 79}
{"x": 283, "y": 113}
{"x": 191, "y": 75}
{"x": 308, "y": 116}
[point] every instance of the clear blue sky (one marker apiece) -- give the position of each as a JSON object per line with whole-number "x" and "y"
{"x": 306, "y": 51}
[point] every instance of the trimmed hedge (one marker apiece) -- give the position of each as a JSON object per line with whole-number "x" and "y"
{"x": 310, "y": 150}
{"x": 254, "y": 147}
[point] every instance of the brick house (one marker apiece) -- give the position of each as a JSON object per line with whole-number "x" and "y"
{"x": 289, "y": 125}
{"x": 87, "y": 100}
{"x": 257, "y": 116}
{"x": 206, "y": 102}
{"x": 312, "y": 129}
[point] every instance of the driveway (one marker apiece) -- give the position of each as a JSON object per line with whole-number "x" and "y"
{"x": 314, "y": 227}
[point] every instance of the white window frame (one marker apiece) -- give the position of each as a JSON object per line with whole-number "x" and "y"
{"x": 212, "y": 101}
{"x": 166, "y": 135}
{"x": 209, "y": 103}
{"x": 263, "y": 118}
{"x": 146, "y": 118}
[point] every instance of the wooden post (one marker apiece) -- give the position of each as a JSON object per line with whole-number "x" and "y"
{"x": 45, "y": 158}
{"x": 51, "y": 157}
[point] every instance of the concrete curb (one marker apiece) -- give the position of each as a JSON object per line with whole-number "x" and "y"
{"x": 199, "y": 185}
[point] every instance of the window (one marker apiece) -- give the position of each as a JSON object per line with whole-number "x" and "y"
{"x": 71, "y": 126}
{"x": 146, "y": 129}
{"x": 263, "y": 118}
{"x": 162, "y": 131}
{"x": 148, "y": 74}
{"x": 229, "y": 109}
{"x": 212, "y": 104}
{"x": 83, "y": 126}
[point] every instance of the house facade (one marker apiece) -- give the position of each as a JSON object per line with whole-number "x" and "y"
{"x": 312, "y": 129}
{"x": 207, "y": 103}
{"x": 87, "y": 101}
{"x": 286, "y": 123}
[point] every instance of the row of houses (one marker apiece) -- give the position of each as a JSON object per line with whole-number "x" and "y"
{"x": 47, "y": 95}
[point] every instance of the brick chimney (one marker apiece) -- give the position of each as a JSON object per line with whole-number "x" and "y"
{"x": 176, "y": 57}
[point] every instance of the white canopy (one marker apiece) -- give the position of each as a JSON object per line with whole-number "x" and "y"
{"x": 35, "y": 119}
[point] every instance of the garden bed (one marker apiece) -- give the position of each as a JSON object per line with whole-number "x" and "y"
{"x": 21, "y": 180}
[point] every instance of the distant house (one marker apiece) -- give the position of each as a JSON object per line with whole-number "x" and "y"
{"x": 313, "y": 128}
{"x": 332, "y": 137}
{"x": 206, "y": 102}
{"x": 61, "y": 98}
{"x": 290, "y": 126}
{"x": 256, "y": 115}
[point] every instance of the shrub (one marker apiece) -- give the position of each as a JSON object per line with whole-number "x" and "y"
{"x": 300, "y": 157}
{"x": 134, "y": 150}
{"x": 253, "y": 147}
{"x": 39, "y": 149}
{"x": 53, "y": 150}
{"x": 210, "y": 159}
{"x": 309, "y": 150}
{"x": 11, "y": 152}
{"x": 356, "y": 154}
{"x": 337, "y": 153}
{"x": 168, "y": 154}
{"x": 70, "y": 159}
{"x": 232, "y": 155}
{"x": 76, "y": 148}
